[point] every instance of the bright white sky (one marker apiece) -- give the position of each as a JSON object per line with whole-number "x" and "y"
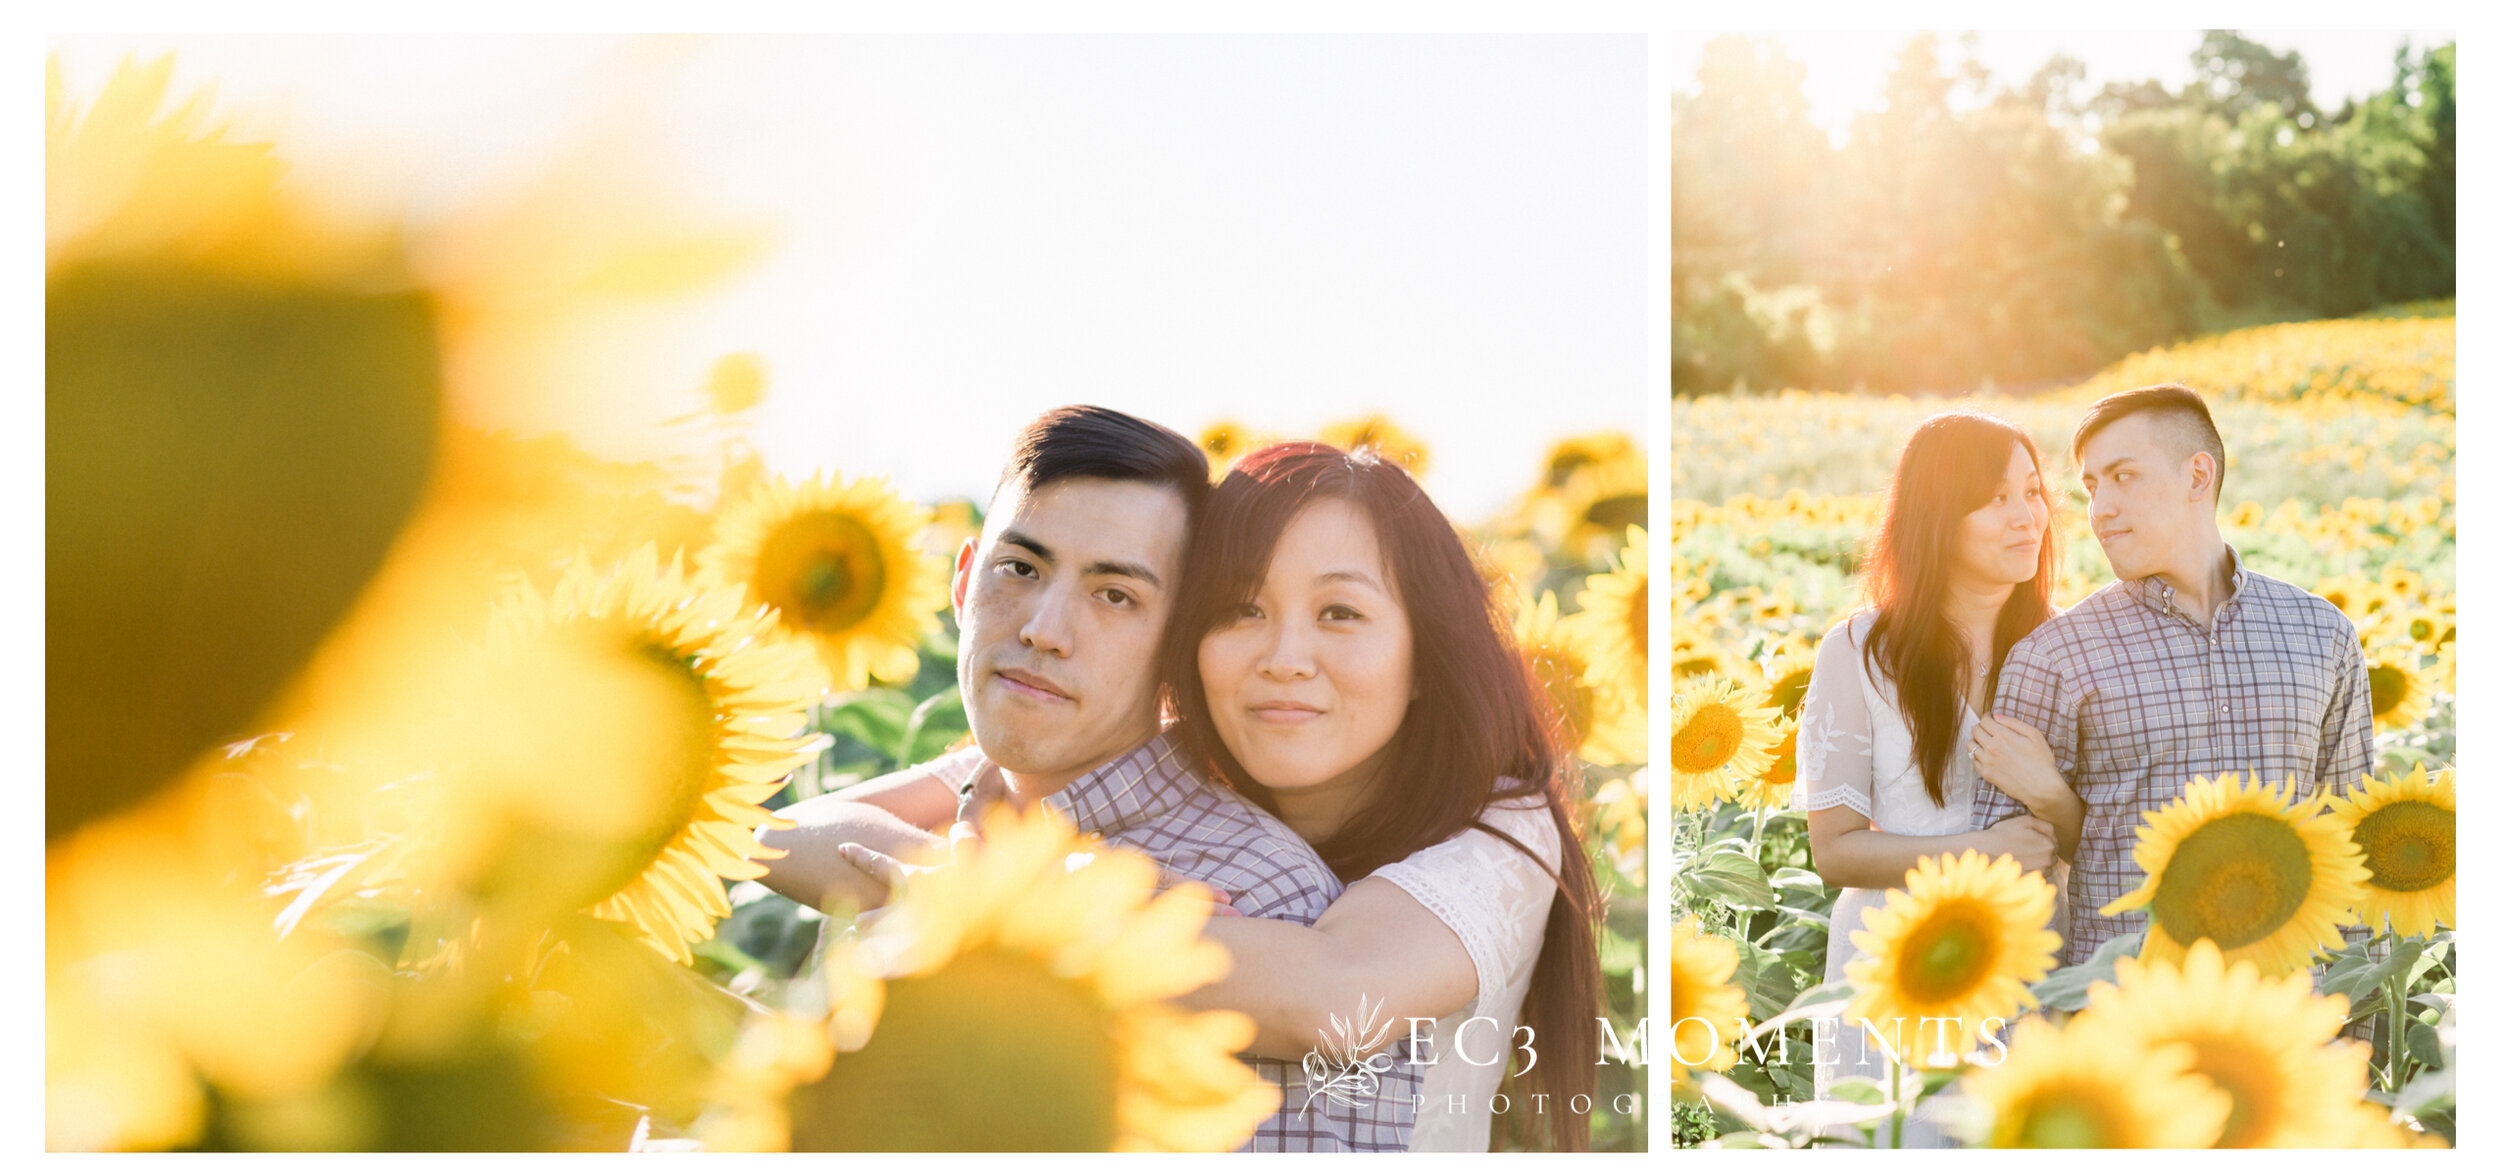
{"x": 1282, "y": 230}
{"x": 1845, "y": 71}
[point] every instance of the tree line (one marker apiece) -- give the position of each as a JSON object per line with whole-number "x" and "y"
{"x": 2016, "y": 234}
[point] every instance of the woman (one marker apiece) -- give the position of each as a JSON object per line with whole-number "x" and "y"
{"x": 1338, "y": 660}
{"x": 1959, "y": 569}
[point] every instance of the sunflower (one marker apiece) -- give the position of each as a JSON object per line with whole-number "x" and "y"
{"x": 1601, "y": 721}
{"x": 1707, "y": 1010}
{"x": 1226, "y": 442}
{"x": 2269, "y": 1044}
{"x": 737, "y": 383}
{"x": 1691, "y": 655}
{"x": 1958, "y": 944}
{"x": 1383, "y": 436}
{"x": 675, "y": 715}
{"x": 2233, "y": 862}
{"x": 1595, "y": 504}
{"x": 1015, "y": 999}
{"x": 1787, "y": 677}
{"x": 2406, "y": 827}
{"x": 2077, "y": 1088}
{"x": 835, "y": 560}
{"x": 1571, "y": 454}
{"x": 1722, "y": 740}
{"x": 1616, "y": 606}
{"x": 2398, "y": 696}
{"x": 1770, "y": 790}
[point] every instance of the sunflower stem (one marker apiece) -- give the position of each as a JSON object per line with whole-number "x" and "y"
{"x": 1899, "y": 1116}
{"x": 2398, "y": 1025}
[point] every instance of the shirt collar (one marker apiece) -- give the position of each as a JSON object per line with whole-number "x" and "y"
{"x": 2155, "y": 593}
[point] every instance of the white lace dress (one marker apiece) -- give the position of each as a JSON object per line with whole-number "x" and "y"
{"x": 1853, "y": 751}
{"x": 1495, "y": 900}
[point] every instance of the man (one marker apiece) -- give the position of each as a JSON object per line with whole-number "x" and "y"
{"x": 2190, "y": 664}
{"x": 1061, "y": 602}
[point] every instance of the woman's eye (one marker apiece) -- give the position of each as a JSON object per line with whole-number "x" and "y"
{"x": 1339, "y": 612}
{"x": 1246, "y": 612}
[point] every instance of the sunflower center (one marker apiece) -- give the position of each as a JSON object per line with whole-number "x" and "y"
{"x": 2235, "y": 881}
{"x": 1948, "y": 953}
{"x": 1699, "y": 664}
{"x": 1783, "y": 768}
{"x": 681, "y": 769}
{"x": 1709, "y": 739}
{"x": 989, "y": 1052}
{"x": 2255, "y": 1088}
{"x": 2409, "y": 845}
{"x": 2068, "y": 1118}
{"x": 1789, "y": 692}
{"x": 823, "y": 571}
{"x": 2390, "y": 686}
{"x": 1619, "y": 511}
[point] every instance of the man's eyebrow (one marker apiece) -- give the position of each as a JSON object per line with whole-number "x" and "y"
{"x": 1114, "y": 567}
{"x": 1027, "y": 542}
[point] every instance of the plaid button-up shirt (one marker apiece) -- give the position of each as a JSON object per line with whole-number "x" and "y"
{"x": 2137, "y": 700}
{"x": 1150, "y": 801}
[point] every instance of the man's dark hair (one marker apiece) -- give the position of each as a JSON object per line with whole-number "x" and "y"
{"x": 2179, "y": 413}
{"x": 1085, "y": 441}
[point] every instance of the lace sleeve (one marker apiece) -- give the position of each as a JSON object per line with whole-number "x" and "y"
{"x": 1835, "y": 734}
{"x": 1488, "y": 893}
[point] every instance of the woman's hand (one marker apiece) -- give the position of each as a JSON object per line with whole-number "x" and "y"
{"x": 2015, "y": 756}
{"x": 2030, "y": 841}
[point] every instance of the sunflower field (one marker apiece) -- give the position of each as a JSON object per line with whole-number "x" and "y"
{"x": 2342, "y": 480}
{"x": 403, "y": 774}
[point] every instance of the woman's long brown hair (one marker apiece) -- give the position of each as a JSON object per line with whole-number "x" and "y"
{"x": 1477, "y": 731}
{"x": 1949, "y": 468}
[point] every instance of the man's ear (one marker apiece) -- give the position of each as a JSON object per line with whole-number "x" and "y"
{"x": 2200, "y": 475}
{"x": 963, "y": 574}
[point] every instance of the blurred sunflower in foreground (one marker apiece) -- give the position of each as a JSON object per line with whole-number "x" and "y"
{"x": 2270, "y": 1045}
{"x": 1049, "y": 958}
{"x": 2074, "y": 1087}
{"x": 1706, "y": 1009}
{"x": 835, "y": 559}
{"x": 616, "y": 754}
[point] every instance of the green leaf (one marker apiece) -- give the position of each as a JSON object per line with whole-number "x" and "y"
{"x": 1789, "y": 876}
{"x": 2362, "y": 976}
{"x": 2068, "y": 988}
{"x": 1729, "y": 878}
{"x": 1768, "y": 981}
{"x": 876, "y": 718}
{"x": 1860, "y": 1090}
